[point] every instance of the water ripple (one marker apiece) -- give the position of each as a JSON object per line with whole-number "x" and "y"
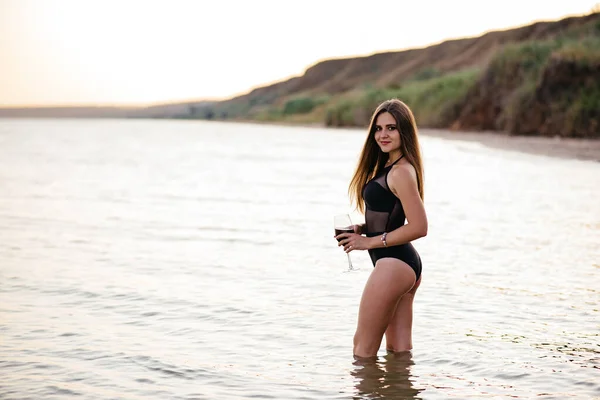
{"x": 146, "y": 259}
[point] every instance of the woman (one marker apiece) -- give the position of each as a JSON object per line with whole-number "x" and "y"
{"x": 388, "y": 187}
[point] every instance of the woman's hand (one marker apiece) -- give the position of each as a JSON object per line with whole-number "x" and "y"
{"x": 352, "y": 241}
{"x": 358, "y": 228}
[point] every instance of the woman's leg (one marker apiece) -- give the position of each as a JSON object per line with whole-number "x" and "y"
{"x": 398, "y": 335}
{"x": 390, "y": 280}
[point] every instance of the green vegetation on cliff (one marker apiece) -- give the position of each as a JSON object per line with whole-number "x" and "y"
{"x": 431, "y": 99}
{"x": 548, "y": 88}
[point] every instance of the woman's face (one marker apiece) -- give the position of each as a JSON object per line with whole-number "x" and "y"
{"x": 387, "y": 134}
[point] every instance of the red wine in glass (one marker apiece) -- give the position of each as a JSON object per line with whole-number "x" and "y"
{"x": 339, "y": 231}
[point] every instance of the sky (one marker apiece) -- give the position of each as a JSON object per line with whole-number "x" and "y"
{"x": 143, "y": 52}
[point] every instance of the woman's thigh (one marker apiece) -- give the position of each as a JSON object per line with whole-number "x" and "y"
{"x": 390, "y": 280}
{"x": 399, "y": 331}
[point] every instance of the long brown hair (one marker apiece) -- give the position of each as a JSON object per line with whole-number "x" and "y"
{"x": 372, "y": 159}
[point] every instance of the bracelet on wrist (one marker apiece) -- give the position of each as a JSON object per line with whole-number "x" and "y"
{"x": 383, "y": 239}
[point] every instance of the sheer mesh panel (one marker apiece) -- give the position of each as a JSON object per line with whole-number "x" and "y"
{"x": 397, "y": 217}
{"x": 377, "y": 217}
{"x": 376, "y": 222}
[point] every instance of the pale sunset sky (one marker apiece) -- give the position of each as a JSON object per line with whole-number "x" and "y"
{"x": 139, "y": 52}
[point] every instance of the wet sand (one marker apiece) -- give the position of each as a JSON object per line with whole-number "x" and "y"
{"x": 582, "y": 149}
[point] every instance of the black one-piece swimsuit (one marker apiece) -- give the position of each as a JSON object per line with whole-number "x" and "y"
{"x": 384, "y": 213}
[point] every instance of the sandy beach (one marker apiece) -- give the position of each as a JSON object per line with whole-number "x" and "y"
{"x": 582, "y": 149}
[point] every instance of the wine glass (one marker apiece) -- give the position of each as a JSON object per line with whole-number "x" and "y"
{"x": 343, "y": 224}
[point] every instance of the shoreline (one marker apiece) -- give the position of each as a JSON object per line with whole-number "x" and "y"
{"x": 583, "y": 149}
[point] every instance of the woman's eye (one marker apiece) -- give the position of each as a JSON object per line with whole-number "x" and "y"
{"x": 392, "y": 128}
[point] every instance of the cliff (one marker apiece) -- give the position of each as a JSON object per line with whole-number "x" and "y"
{"x": 547, "y": 88}
{"x": 540, "y": 79}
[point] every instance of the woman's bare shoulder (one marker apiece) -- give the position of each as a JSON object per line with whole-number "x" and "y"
{"x": 403, "y": 171}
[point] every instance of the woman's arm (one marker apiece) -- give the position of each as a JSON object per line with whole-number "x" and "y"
{"x": 402, "y": 181}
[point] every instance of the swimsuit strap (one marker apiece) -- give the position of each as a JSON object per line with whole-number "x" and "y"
{"x": 395, "y": 161}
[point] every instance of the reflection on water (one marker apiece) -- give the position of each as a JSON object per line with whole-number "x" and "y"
{"x": 387, "y": 377}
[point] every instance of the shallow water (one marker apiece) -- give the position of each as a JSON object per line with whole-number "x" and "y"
{"x": 196, "y": 260}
